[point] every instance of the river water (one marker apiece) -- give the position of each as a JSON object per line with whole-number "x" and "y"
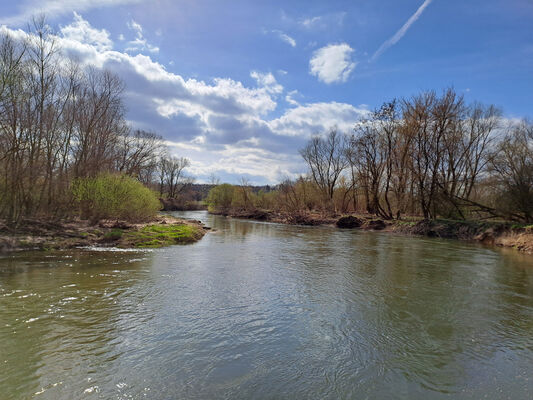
{"x": 267, "y": 311}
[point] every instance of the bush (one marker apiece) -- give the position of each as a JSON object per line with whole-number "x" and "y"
{"x": 220, "y": 197}
{"x": 111, "y": 196}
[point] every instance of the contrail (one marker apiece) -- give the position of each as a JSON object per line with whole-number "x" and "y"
{"x": 398, "y": 35}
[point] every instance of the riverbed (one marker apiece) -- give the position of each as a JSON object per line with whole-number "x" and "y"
{"x": 267, "y": 311}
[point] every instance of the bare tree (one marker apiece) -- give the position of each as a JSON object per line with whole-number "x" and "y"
{"x": 99, "y": 122}
{"x": 372, "y": 152}
{"x": 326, "y": 158}
{"x": 138, "y": 153}
{"x": 213, "y": 179}
{"x": 512, "y": 162}
{"x": 172, "y": 177}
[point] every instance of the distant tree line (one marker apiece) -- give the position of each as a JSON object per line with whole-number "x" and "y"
{"x": 430, "y": 155}
{"x": 61, "y": 122}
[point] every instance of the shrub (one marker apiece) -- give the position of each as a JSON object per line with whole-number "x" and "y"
{"x": 110, "y": 196}
{"x": 220, "y": 197}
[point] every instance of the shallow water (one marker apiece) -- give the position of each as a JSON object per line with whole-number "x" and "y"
{"x": 267, "y": 311}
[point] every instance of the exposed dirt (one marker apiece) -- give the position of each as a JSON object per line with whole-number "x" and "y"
{"x": 34, "y": 234}
{"x": 281, "y": 218}
{"x": 502, "y": 234}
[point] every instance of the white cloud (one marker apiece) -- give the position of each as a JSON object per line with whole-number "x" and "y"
{"x": 267, "y": 81}
{"x": 81, "y": 31}
{"x": 306, "y": 120}
{"x": 289, "y": 98}
{"x": 332, "y": 63}
{"x": 136, "y": 27}
{"x": 53, "y": 8}
{"x": 310, "y": 22}
{"x": 402, "y": 31}
{"x": 221, "y": 124}
{"x": 286, "y": 38}
{"x": 139, "y": 43}
{"x": 282, "y": 35}
{"x": 321, "y": 22}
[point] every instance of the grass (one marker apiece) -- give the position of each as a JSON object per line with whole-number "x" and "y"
{"x": 115, "y": 234}
{"x": 407, "y": 223}
{"x": 153, "y": 236}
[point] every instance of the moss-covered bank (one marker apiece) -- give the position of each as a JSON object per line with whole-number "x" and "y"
{"x": 45, "y": 235}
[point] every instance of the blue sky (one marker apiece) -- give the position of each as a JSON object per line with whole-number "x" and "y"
{"x": 239, "y": 86}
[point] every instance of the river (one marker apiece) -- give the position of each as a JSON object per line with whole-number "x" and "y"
{"x": 266, "y": 311}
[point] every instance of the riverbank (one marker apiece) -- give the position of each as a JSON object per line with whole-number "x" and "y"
{"x": 36, "y": 234}
{"x": 501, "y": 234}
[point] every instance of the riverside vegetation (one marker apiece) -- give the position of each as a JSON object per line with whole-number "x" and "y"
{"x": 430, "y": 164}
{"x": 72, "y": 171}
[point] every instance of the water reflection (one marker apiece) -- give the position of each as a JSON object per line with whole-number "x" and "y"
{"x": 258, "y": 310}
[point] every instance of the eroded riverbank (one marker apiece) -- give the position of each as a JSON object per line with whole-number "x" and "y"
{"x": 498, "y": 234}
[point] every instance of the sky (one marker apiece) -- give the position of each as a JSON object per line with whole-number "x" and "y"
{"x": 238, "y": 86}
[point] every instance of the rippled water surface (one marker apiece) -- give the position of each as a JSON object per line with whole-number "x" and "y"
{"x": 266, "y": 311}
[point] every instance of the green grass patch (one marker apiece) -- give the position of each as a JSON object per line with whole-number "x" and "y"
{"x": 405, "y": 223}
{"x": 115, "y": 234}
{"x": 153, "y": 236}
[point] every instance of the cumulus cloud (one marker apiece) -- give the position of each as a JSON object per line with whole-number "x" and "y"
{"x": 139, "y": 43}
{"x": 267, "y": 81}
{"x": 81, "y": 31}
{"x": 401, "y": 32}
{"x": 53, "y": 8}
{"x": 306, "y": 120}
{"x": 222, "y": 125}
{"x": 332, "y": 63}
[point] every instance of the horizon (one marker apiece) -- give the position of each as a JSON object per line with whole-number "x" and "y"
{"x": 239, "y": 90}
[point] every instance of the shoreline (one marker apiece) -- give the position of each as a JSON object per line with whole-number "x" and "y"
{"x": 166, "y": 230}
{"x": 44, "y": 235}
{"x": 498, "y": 234}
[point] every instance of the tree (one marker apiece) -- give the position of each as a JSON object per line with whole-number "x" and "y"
{"x": 138, "y": 154}
{"x": 326, "y": 158}
{"x": 60, "y": 121}
{"x": 512, "y": 162}
{"x": 220, "y": 197}
{"x": 172, "y": 178}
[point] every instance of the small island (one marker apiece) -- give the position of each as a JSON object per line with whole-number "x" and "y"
{"x": 42, "y": 235}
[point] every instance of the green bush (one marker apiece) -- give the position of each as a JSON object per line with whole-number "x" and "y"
{"x": 220, "y": 197}
{"x": 110, "y": 196}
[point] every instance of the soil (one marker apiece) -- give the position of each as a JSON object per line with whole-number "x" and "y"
{"x": 36, "y": 234}
{"x": 503, "y": 234}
